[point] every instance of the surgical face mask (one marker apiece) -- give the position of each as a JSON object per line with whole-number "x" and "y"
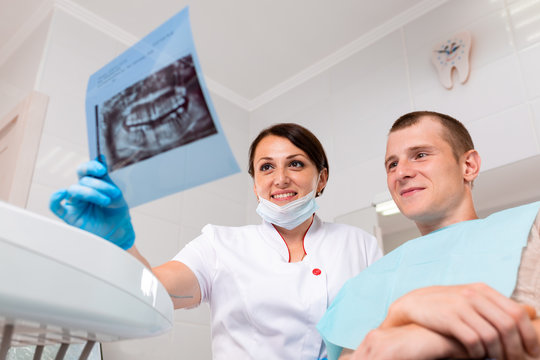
{"x": 289, "y": 215}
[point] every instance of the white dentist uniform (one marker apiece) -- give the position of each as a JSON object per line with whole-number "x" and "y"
{"x": 263, "y": 306}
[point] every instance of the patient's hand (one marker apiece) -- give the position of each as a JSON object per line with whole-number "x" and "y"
{"x": 403, "y": 343}
{"x": 485, "y": 322}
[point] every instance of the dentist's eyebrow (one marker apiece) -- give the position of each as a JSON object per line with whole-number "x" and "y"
{"x": 295, "y": 155}
{"x": 268, "y": 158}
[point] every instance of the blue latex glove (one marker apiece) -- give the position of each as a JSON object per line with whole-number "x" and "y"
{"x": 96, "y": 205}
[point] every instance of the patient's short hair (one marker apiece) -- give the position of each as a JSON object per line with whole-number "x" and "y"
{"x": 455, "y": 133}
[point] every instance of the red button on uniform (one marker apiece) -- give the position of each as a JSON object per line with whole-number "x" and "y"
{"x": 316, "y": 271}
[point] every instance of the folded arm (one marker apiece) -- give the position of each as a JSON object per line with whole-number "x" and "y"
{"x": 466, "y": 321}
{"x": 410, "y": 341}
{"x": 484, "y": 322}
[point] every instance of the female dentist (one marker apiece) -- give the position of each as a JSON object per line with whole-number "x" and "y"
{"x": 268, "y": 285}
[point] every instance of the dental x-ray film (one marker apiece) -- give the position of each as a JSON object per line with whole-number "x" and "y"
{"x": 149, "y": 112}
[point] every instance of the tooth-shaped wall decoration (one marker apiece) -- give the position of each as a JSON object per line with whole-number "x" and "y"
{"x": 453, "y": 53}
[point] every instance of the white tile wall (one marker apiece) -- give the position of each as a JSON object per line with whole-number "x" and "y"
{"x": 199, "y": 315}
{"x": 168, "y": 208}
{"x": 201, "y": 208}
{"x": 525, "y": 18}
{"x": 356, "y": 187}
{"x": 492, "y": 39}
{"x": 57, "y": 161}
{"x": 447, "y": 19}
{"x": 295, "y": 101}
{"x": 69, "y": 62}
{"x": 186, "y": 342}
{"x": 152, "y": 348}
{"x": 234, "y": 121}
{"x": 187, "y": 233}
{"x": 352, "y": 71}
{"x": 490, "y": 89}
{"x": 511, "y": 137}
{"x": 531, "y": 71}
{"x": 362, "y": 118}
{"x": 157, "y": 239}
{"x": 535, "y": 105}
{"x": 38, "y": 200}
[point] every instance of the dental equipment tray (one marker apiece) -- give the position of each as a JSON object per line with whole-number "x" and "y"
{"x": 62, "y": 285}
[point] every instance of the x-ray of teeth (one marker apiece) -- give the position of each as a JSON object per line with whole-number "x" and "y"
{"x": 159, "y": 113}
{"x": 150, "y": 113}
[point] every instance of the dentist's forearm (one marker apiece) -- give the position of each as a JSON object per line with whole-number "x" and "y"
{"x": 133, "y": 251}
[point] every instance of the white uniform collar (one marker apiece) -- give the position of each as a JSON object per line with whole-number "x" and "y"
{"x": 274, "y": 239}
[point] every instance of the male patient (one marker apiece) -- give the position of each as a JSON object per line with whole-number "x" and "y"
{"x": 445, "y": 294}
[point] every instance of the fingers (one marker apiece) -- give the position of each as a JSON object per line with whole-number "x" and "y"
{"x": 94, "y": 187}
{"x": 516, "y": 321}
{"x": 503, "y": 325}
{"x": 531, "y": 312}
{"x": 407, "y": 342}
{"x": 467, "y": 334}
{"x": 104, "y": 187}
{"x": 55, "y": 203}
{"x": 493, "y": 328}
{"x": 91, "y": 168}
{"x": 79, "y": 192}
{"x": 483, "y": 320}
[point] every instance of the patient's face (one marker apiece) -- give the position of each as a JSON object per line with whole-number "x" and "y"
{"x": 423, "y": 176}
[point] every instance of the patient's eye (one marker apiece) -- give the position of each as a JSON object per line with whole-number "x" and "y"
{"x": 391, "y": 165}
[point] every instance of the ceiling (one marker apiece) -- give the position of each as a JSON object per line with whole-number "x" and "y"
{"x": 249, "y": 48}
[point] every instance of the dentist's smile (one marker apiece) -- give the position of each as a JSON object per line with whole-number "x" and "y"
{"x": 284, "y": 196}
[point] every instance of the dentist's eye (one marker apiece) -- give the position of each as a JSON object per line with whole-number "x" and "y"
{"x": 297, "y": 163}
{"x": 265, "y": 167}
{"x": 421, "y": 155}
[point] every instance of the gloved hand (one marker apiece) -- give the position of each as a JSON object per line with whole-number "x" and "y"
{"x": 96, "y": 205}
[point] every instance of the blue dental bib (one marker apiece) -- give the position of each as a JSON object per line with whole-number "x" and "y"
{"x": 484, "y": 250}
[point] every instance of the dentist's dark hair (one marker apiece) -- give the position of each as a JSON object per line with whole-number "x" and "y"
{"x": 300, "y": 137}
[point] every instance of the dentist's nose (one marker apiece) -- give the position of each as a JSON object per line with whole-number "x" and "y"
{"x": 281, "y": 178}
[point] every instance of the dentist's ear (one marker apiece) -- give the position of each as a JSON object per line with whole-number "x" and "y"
{"x": 255, "y": 192}
{"x": 323, "y": 179}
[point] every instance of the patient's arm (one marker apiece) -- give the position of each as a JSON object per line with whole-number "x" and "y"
{"x": 405, "y": 342}
{"x": 484, "y": 321}
{"x": 413, "y": 341}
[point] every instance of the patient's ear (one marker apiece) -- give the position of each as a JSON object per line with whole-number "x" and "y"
{"x": 471, "y": 165}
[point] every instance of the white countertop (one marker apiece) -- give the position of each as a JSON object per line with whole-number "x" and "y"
{"x": 61, "y": 284}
